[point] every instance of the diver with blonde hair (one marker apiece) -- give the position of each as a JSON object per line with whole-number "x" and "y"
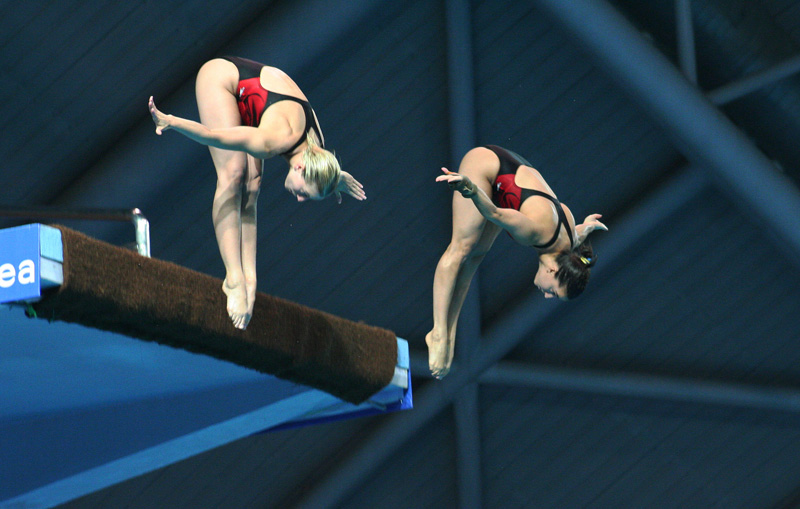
{"x": 250, "y": 112}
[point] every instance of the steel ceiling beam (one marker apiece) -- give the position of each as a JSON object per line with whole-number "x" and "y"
{"x": 701, "y": 132}
{"x": 665, "y": 388}
{"x": 627, "y": 385}
{"x": 461, "y": 95}
{"x": 750, "y": 83}
{"x": 685, "y": 33}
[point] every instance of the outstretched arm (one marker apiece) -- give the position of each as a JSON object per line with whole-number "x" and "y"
{"x": 255, "y": 142}
{"x": 521, "y": 227}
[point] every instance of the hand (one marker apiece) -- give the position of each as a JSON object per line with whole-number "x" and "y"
{"x": 458, "y": 182}
{"x": 347, "y": 184}
{"x": 590, "y": 224}
{"x": 160, "y": 119}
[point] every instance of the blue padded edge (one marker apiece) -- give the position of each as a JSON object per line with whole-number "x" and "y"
{"x": 50, "y": 245}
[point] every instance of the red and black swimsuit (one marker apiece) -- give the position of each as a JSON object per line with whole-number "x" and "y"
{"x": 507, "y": 194}
{"x": 253, "y": 99}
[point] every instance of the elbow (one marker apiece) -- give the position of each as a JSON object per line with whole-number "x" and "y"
{"x": 495, "y": 215}
{"x": 212, "y": 138}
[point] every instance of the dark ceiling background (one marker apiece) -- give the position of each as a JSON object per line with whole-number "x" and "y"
{"x": 672, "y": 382}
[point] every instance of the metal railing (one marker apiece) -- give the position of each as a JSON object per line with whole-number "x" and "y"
{"x": 140, "y": 223}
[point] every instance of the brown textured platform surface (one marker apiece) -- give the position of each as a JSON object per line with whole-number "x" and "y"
{"x": 114, "y": 289}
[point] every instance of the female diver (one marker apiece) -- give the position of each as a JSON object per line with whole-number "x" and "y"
{"x": 250, "y": 112}
{"x": 502, "y": 191}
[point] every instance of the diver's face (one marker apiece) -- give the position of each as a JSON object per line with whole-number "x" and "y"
{"x": 296, "y": 184}
{"x": 547, "y": 283}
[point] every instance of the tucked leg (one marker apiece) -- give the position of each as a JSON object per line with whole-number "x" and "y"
{"x": 472, "y": 237}
{"x": 216, "y": 102}
{"x": 252, "y": 189}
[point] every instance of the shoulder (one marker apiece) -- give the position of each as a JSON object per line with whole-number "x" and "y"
{"x": 544, "y": 215}
{"x": 278, "y": 131}
{"x": 542, "y": 212}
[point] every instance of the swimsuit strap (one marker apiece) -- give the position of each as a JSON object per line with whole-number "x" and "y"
{"x": 562, "y": 217}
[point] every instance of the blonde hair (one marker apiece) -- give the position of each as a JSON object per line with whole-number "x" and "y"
{"x": 322, "y": 167}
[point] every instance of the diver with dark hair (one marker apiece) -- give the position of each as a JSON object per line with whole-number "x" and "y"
{"x": 499, "y": 190}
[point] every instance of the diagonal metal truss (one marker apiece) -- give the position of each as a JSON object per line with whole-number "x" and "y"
{"x": 717, "y": 149}
{"x": 701, "y": 132}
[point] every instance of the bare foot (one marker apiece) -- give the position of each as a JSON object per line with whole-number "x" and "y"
{"x": 440, "y": 354}
{"x": 237, "y": 304}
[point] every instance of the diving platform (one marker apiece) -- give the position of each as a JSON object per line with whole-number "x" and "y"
{"x": 116, "y": 364}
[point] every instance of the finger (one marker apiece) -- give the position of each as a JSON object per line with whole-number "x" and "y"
{"x": 448, "y": 172}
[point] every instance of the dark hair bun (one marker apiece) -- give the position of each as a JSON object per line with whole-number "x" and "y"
{"x": 573, "y": 271}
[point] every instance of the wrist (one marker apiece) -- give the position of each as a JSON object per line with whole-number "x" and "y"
{"x": 469, "y": 190}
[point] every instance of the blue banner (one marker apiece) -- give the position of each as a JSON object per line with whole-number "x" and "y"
{"x": 19, "y": 263}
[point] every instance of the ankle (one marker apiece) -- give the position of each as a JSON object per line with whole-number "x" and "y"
{"x": 233, "y": 282}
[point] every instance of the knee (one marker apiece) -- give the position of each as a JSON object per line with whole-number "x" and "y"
{"x": 460, "y": 251}
{"x": 253, "y": 187}
{"x": 230, "y": 176}
{"x": 477, "y": 256}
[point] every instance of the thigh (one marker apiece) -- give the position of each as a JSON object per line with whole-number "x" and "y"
{"x": 468, "y": 223}
{"x": 487, "y": 238}
{"x": 215, "y": 89}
